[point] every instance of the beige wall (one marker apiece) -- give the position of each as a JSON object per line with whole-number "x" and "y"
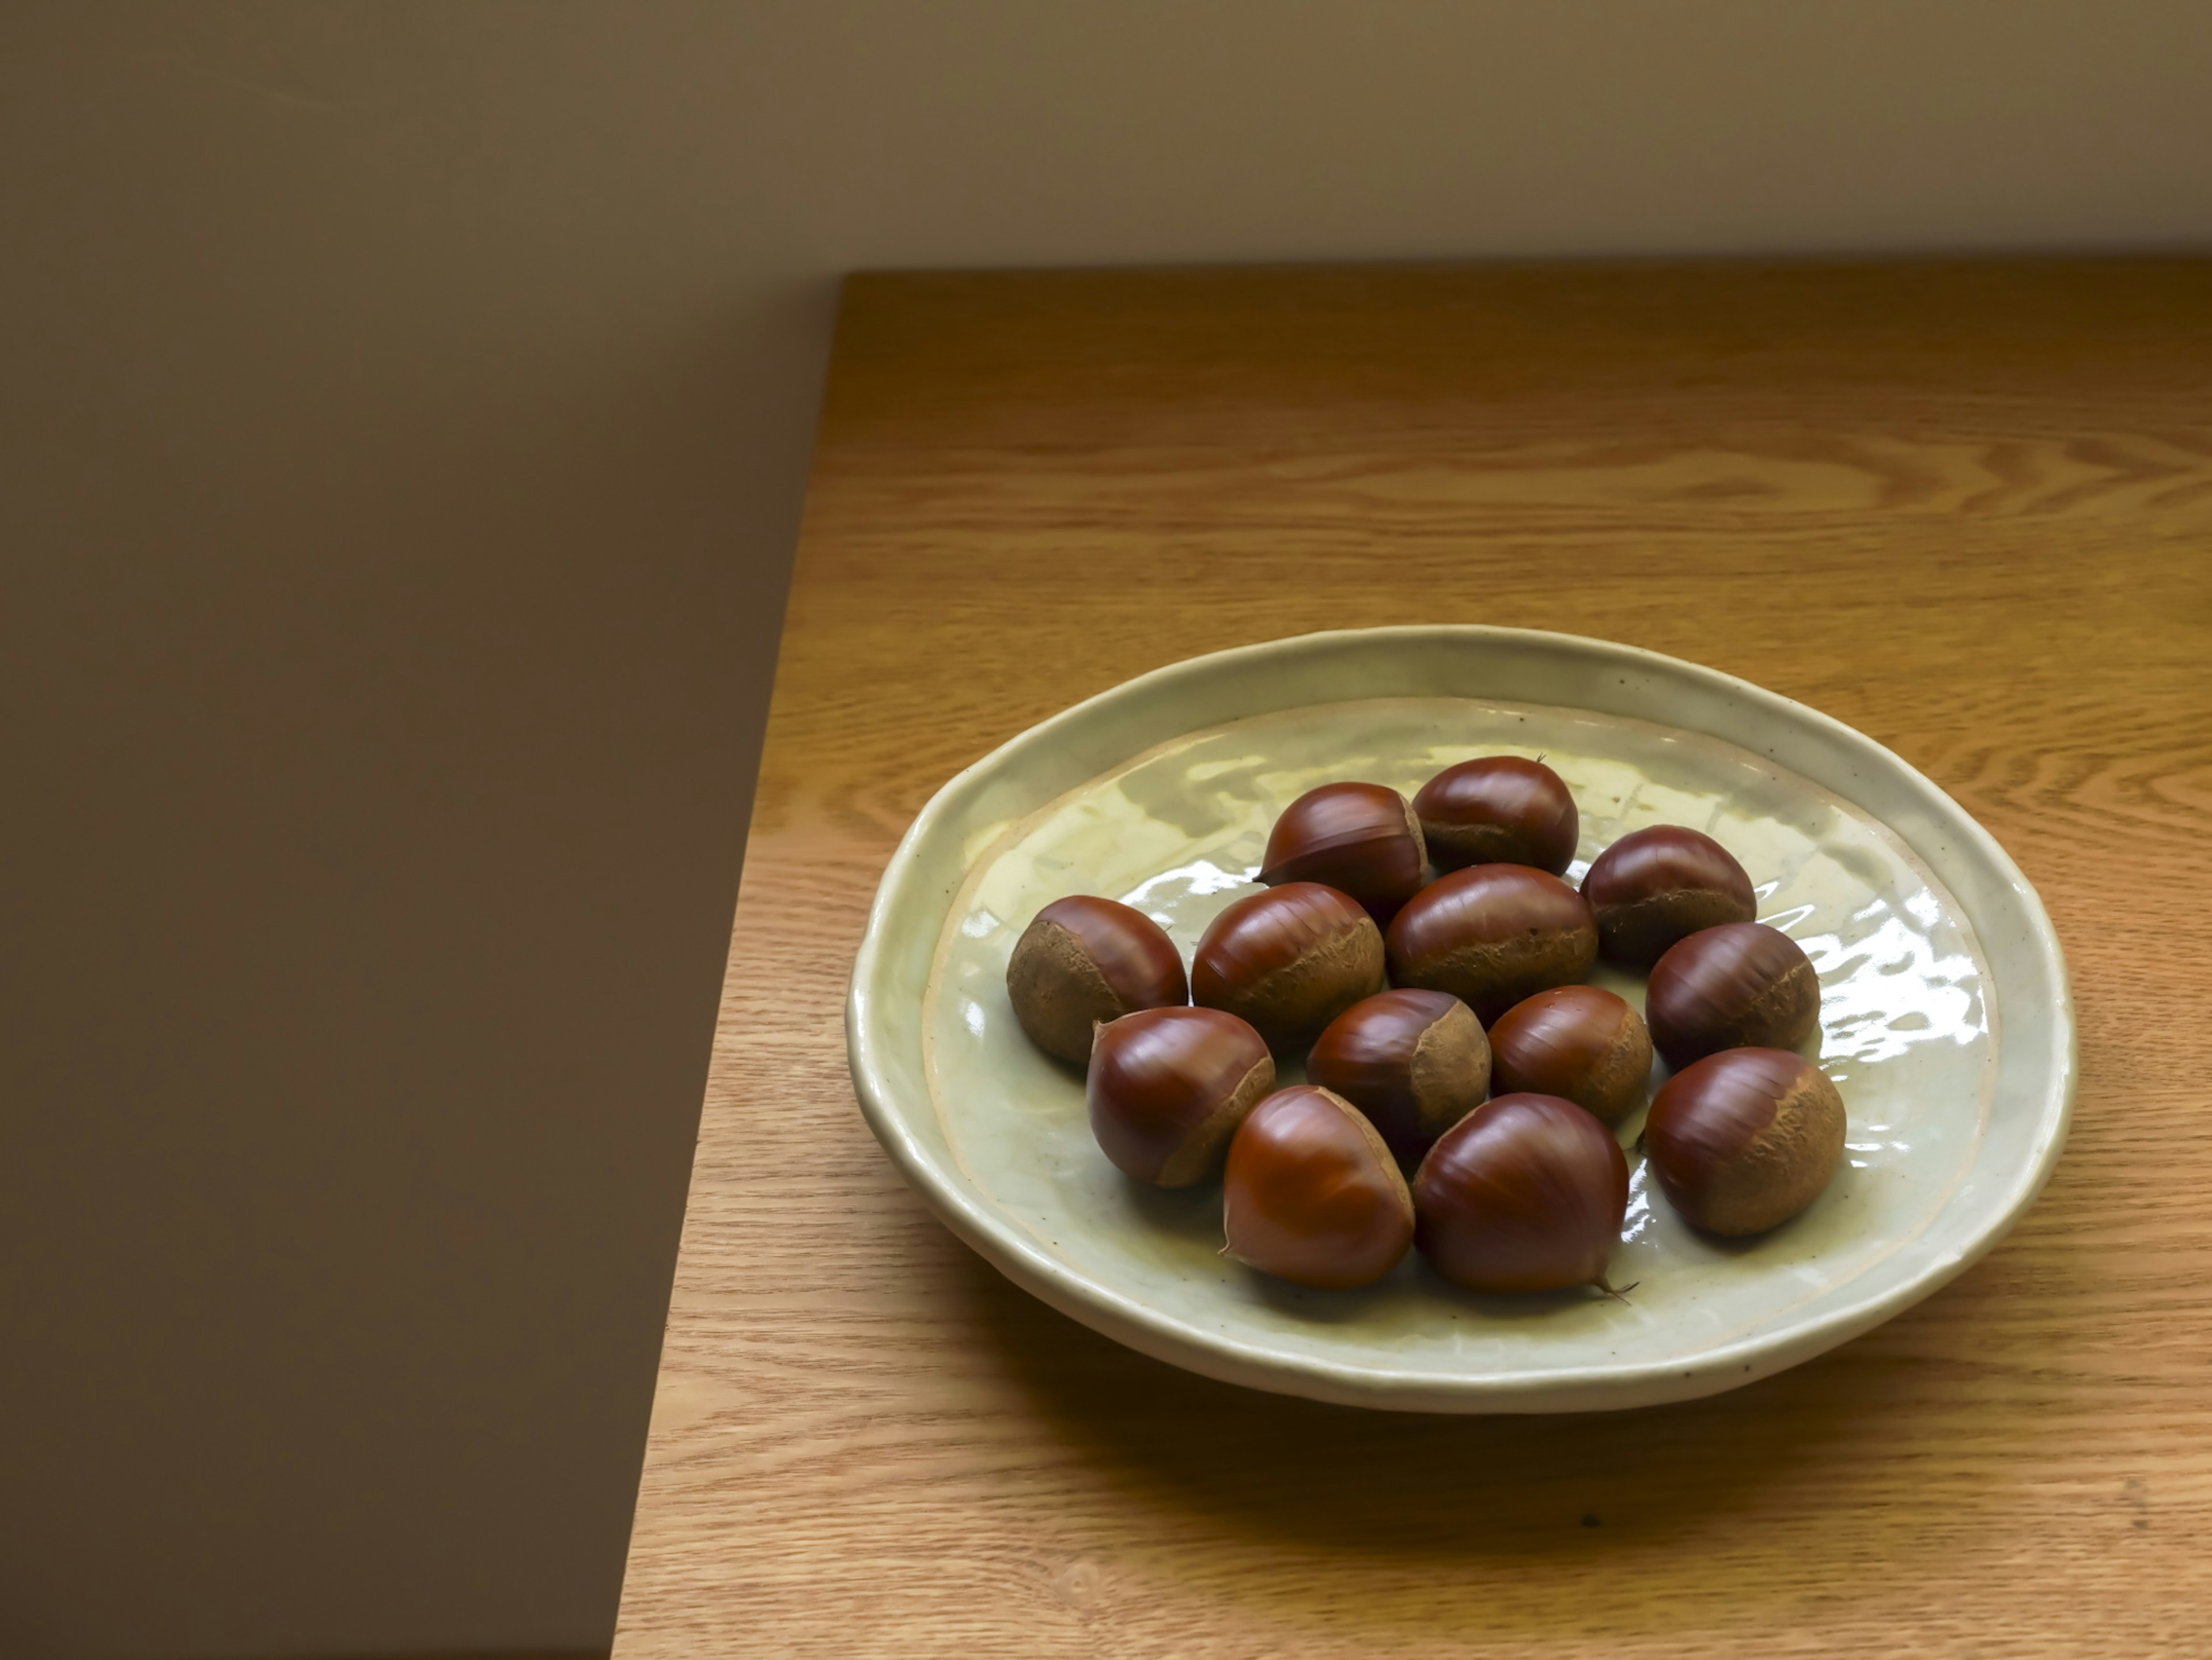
{"x": 403, "y": 415}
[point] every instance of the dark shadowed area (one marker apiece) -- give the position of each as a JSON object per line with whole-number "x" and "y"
{"x": 391, "y": 602}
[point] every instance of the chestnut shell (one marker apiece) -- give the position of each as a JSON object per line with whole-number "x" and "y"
{"x": 1414, "y": 1062}
{"x": 1743, "y": 985}
{"x": 1168, "y": 1087}
{"x": 1490, "y": 935}
{"x": 1289, "y": 960}
{"x": 1745, "y": 1140}
{"x": 1360, "y": 839}
{"x": 1312, "y": 1195}
{"x": 1499, "y": 810}
{"x": 1083, "y": 960}
{"x": 1526, "y": 1193}
{"x": 1580, "y": 1043}
{"x": 1658, "y": 886}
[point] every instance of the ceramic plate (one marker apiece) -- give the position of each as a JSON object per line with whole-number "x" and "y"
{"x": 1945, "y": 1018}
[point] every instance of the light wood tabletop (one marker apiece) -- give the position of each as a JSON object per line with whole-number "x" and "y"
{"x": 1966, "y": 507}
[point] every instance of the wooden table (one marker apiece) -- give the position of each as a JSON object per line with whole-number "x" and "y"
{"x": 1966, "y": 507}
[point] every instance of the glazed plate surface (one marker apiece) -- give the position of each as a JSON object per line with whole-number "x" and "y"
{"x": 1945, "y": 1017}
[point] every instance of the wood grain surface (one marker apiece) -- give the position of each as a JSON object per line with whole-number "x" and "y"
{"x": 1966, "y": 507}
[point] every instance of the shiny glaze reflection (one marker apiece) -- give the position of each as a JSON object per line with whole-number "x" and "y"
{"x": 1886, "y": 983}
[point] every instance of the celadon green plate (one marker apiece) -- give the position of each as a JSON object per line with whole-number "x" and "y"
{"x": 1945, "y": 1021}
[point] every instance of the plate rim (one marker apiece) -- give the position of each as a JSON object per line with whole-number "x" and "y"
{"x": 1578, "y": 1387}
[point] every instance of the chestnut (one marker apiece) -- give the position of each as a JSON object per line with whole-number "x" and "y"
{"x": 1742, "y": 986}
{"x": 1289, "y": 960}
{"x": 1360, "y": 839}
{"x": 1414, "y": 1062}
{"x": 1084, "y": 960}
{"x": 1526, "y": 1193}
{"x": 1745, "y": 1140}
{"x": 1490, "y": 935}
{"x": 1580, "y": 1043}
{"x": 1498, "y": 810}
{"x": 1168, "y": 1087}
{"x": 1654, "y": 886}
{"x": 1313, "y": 1195}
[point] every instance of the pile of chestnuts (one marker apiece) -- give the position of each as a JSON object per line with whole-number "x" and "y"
{"x": 1464, "y": 1086}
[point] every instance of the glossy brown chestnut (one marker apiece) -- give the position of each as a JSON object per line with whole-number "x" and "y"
{"x": 1498, "y": 810}
{"x": 1580, "y": 1043}
{"x": 1360, "y": 839}
{"x": 1289, "y": 960}
{"x": 1414, "y": 1062}
{"x": 1526, "y": 1193}
{"x": 1745, "y": 1140}
{"x": 1083, "y": 960}
{"x": 1168, "y": 1087}
{"x": 1490, "y": 935}
{"x": 1313, "y": 1195}
{"x": 1654, "y": 886}
{"x": 1740, "y": 986}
